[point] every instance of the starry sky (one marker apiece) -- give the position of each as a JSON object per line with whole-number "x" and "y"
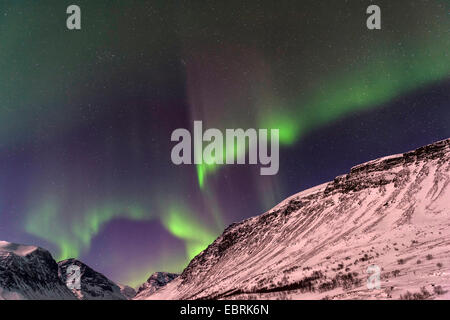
{"x": 86, "y": 116}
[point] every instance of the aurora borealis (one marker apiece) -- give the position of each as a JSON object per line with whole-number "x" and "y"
{"x": 86, "y": 116}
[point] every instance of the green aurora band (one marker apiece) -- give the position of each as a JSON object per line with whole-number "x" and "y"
{"x": 369, "y": 86}
{"x": 45, "y": 223}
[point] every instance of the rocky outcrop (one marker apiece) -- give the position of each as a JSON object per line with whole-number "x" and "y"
{"x": 156, "y": 281}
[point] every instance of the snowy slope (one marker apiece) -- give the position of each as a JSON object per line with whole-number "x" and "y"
{"x": 28, "y": 272}
{"x": 393, "y": 213}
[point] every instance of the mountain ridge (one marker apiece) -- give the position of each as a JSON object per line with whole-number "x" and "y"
{"x": 30, "y": 272}
{"x": 292, "y": 251}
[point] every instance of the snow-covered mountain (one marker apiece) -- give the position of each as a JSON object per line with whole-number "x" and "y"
{"x": 31, "y": 273}
{"x": 156, "y": 281}
{"x": 387, "y": 219}
{"x": 28, "y": 272}
{"x": 93, "y": 285}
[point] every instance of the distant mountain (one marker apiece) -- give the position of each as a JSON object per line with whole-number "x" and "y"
{"x": 28, "y": 272}
{"x": 127, "y": 291}
{"x": 93, "y": 285}
{"x": 388, "y": 219}
{"x": 154, "y": 283}
{"x": 31, "y": 273}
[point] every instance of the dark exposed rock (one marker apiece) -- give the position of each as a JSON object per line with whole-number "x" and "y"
{"x": 127, "y": 291}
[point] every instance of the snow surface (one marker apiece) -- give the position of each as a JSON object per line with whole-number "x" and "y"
{"x": 18, "y": 249}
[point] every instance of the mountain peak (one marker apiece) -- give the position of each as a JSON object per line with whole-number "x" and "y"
{"x": 388, "y": 169}
{"x": 30, "y": 272}
{"x": 93, "y": 285}
{"x": 431, "y": 151}
{"x": 156, "y": 281}
{"x": 17, "y": 249}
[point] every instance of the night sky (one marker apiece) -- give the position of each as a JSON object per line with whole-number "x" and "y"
{"x": 86, "y": 116}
